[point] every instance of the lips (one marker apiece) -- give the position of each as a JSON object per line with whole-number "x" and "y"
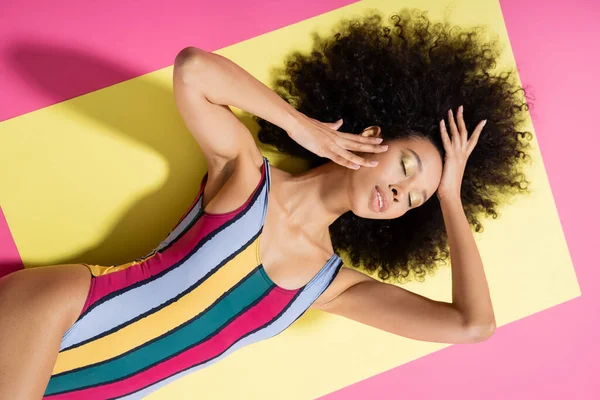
{"x": 375, "y": 200}
{"x": 384, "y": 200}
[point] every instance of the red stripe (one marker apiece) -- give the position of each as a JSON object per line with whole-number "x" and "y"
{"x": 260, "y": 314}
{"x": 119, "y": 280}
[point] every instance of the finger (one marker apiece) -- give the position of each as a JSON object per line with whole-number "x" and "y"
{"x": 353, "y": 158}
{"x": 336, "y": 158}
{"x": 445, "y": 138}
{"x": 475, "y": 136}
{"x": 462, "y": 127}
{"x": 453, "y": 128}
{"x": 359, "y": 138}
{"x": 341, "y": 160}
{"x": 362, "y": 147}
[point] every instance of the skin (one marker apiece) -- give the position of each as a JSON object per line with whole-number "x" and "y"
{"x": 302, "y": 206}
{"x": 38, "y": 305}
{"x": 398, "y": 175}
{"x": 205, "y": 84}
{"x": 316, "y": 198}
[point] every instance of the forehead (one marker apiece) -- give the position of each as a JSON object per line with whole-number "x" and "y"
{"x": 420, "y": 149}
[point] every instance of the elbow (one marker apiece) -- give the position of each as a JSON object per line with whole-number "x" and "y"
{"x": 481, "y": 332}
{"x": 187, "y": 60}
{"x": 187, "y": 55}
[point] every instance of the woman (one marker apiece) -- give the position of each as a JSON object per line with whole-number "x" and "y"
{"x": 258, "y": 246}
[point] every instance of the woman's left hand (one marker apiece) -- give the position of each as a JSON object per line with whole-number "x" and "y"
{"x": 458, "y": 149}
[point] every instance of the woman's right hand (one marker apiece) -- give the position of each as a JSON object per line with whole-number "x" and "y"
{"x": 324, "y": 139}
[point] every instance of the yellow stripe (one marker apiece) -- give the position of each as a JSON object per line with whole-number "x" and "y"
{"x": 98, "y": 270}
{"x": 162, "y": 321}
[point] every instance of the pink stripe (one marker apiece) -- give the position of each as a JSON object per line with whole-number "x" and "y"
{"x": 112, "y": 282}
{"x": 255, "y": 317}
{"x": 109, "y": 283}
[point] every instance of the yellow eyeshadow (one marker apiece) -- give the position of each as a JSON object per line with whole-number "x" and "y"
{"x": 414, "y": 200}
{"x": 408, "y": 165}
{"x": 418, "y": 201}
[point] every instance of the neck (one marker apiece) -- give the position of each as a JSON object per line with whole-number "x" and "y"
{"x": 314, "y": 199}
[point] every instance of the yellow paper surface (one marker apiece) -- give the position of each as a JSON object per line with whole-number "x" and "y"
{"x": 103, "y": 177}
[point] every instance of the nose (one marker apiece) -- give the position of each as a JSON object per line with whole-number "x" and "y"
{"x": 396, "y": 193}
{"x": 399, "y": 190}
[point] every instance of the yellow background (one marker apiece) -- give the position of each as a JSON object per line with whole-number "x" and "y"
{"x": 103, "y": 177}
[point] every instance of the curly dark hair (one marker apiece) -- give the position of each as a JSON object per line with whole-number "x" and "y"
{"x": 404, "y": 76}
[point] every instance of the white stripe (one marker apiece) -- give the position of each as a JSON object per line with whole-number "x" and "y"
{"x": 300, "y": 305}
{"x": 139, "y": 300}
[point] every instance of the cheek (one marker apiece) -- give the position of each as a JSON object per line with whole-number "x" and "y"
{"x": 395, "y": 211}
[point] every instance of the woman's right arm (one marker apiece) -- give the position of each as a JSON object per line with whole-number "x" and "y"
{"x": 206, "y": 83}
{"x": 198, "y": 87}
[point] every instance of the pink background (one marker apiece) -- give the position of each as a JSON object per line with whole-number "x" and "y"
{"x": 550, "y": 355}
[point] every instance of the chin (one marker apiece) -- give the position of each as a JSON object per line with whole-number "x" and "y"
{"x": 368, "y": 214}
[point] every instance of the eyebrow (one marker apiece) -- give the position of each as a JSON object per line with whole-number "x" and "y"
{"x": 420, "y": 164}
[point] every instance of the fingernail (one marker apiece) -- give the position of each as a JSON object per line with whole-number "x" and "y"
{"x": 385, "y": 147}
{"x": 460, "y": 108}
{"x": 379, "y": 140}
{"x": 484, "y": 122}
{"x": 374, "y": 163}
{"x": 355, "y": 166}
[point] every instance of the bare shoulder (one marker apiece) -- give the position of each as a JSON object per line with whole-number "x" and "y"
{"x": 346, "y": 278}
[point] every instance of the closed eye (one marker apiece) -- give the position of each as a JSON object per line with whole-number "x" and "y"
{"x": 404, "y": 167}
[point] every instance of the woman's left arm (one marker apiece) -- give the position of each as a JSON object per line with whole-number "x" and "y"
{"x": 470, "y": 316}
{"x": 470, "y": 292}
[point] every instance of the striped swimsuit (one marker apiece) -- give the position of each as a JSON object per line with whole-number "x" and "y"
{"x": 199, "y": 296}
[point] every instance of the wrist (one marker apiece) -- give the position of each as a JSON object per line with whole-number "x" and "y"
{"x": 292, "y": 118}
{"x": 449, "y": 198}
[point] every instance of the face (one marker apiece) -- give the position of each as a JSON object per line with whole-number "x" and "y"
{"x": 408, "y": 174}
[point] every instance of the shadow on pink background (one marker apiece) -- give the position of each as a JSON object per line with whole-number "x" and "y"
{"x": 550, "y": 355}
{"x": 143, "y": 36}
